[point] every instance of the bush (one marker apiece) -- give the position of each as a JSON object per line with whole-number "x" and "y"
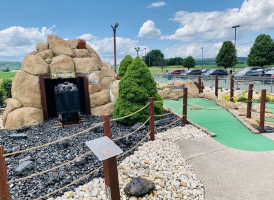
{"x": 242, "y": 99}
{"x": 267, "y": 98}
{"x": 124, "y": 65}
{"x": 6, "y": 85}
{"x": 134, "y": 89}
{"x": 2, "y": 99}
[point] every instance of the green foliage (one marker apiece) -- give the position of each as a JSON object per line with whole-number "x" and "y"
{"x": 7, "y": 69}
{"x": 6, "y": 85}
{"x": 124, "y": 65}
{"x": 242, "y": 99}
{"x": 267, "y": 98}
{"x": 189, "y": 62}
{"x": 174, "y": 61}
{"x": 227, "y": 55}
{"x": 2, "y": 99}
{"x": 262, "y": 51}
{"x": 134, "y": 90}
{"x": 153, "y": 57}
{"x": 10, "y": 65}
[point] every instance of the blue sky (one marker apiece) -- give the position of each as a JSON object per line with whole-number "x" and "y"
{"x": 176, "y": 27}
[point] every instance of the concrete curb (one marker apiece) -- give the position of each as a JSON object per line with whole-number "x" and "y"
{"x": 211, "y": 134}
{"x": 247, "y": 125}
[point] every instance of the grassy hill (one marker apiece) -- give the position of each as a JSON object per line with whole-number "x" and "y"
{"x": 10, "y": 65}
{"x": 211, "y": 61}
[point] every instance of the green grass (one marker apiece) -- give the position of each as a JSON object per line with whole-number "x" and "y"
{"x": 6, "y": 75}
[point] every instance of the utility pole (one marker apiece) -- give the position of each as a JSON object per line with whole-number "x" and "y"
{"x": 114, "y": 38}
{"x": 202, "y": 57}
{"x": 235, "y": 27}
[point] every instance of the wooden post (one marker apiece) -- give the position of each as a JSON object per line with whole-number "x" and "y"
{"x": 4, "y": 187}
{"x": 110, "y": 168}
{"x": 151, "y": 120}
{"x": 216, "y": 85}
{"x": 231, "y": 88}
{"x": 200, "y": 84}
{"x": 185, "y": 106}
{"x": 249, "y": 101}
{"x": 262, "y": 110}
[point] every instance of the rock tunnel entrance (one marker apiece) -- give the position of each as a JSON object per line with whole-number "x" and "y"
{"x": 47, "y": 85}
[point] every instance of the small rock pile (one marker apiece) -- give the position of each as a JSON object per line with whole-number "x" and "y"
{"x": 159, "y": 161}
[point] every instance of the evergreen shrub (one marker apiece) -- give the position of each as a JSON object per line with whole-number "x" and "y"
{"x": 134, "y": 90}
{"x": 124, "y": 65}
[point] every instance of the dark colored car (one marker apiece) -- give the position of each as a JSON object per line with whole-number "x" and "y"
{"x": 192, "y": 72}
{"x": 268, "y": 73}
{"x": 220, "y": 72}
{"x": 256, "y": 72}
{"x": 205, "y": 70}
{"x": 246, "y": 70}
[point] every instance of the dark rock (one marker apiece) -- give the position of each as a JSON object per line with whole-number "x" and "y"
{"x": 15, "y": 148}
{"x": 136, "y": 126}
{"x": 22, "y": 129}
{"x": 24, "y": 159}
{"x": 138, "y": 187}
{"x": 127, "y": 140}
{"x": 18, "y": 136}
{"x": 162, "y": 122}
{"x": 98, "y": 129}
{"x": 24, "y": 168}
{"x": 63, "y": 144}
{"x": 80, "y": 162}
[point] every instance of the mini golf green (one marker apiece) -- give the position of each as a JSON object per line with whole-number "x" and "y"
{"x": 230, "y": 132}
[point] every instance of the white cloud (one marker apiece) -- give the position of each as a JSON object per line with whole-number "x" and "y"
{"x": 17, "y": 41}
{"x": 124, "y": 46}
{"x": 157, "y": 4}
{"x": 253, "y": 15}
{"x": 149, "y": 30}
{"x": 87, "y": 36}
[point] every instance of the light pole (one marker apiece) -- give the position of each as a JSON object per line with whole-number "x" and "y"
{"x": 145, "y": 51}
{"x": 202, "y": 57}
{"x": 235, "y": 27}
{"x": 137, "y": 50}
{"x": 114, "y": 38}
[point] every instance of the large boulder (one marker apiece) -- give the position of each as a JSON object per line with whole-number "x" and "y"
{"x": 46, "y": 54}
{"x": 114, "y": 91}
{"x": 106, "y": 82}
{"x": 192, "y": 91}
{"x": 252, "y": 122}
{"x": 93, "y": 88}
{"x": 26, "y": 88}
{"x": 72, "y": 43}
{"x": 81, "y": 53}
{"x": 87, "y": 64}
{"x": 59, "y": 46}
{"x": 42, "y": 46}
{"x": 210, "y": 95}
{"x": 12, "y": 104}
{"x": 173, "y": 96}
{"x": 179, "y": 83}
{"x": 93, "y": 52}
{"x": 26, "y": 116}
{"x": 257, "y": 108}
{"x": 104, "y": 109}
{"x": 34, "y": 64}
{"x": 62, "y": 63}
{"x": 179, "y": 92}
{"x": 107, "y": 70}
{"x": 94, "y": 77}
{"x": 240, "y": 105}
{"x": 164, "y": 93}
{"x": 99, "y": 98}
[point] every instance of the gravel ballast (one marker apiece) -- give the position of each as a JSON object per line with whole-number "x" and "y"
{"x": 56, "y": 154}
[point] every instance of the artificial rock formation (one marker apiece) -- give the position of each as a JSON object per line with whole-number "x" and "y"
{"x": 58, "y": 55}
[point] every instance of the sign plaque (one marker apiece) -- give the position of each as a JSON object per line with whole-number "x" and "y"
{"x": 56, "y": 75}
{"x": 104, "y": 148}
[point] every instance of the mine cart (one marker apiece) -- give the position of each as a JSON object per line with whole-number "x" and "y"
{"x": 67, "y": 101}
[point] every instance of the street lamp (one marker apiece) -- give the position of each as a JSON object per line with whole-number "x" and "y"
{"x": 145, "y": 51}
{"x": 114, "y": 38}
{"x": 235, "y": 27}
{"x": 202, "y": 57}
{"x": 137, "y": 50}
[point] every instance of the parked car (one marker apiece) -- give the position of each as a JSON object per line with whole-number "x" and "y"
{"x": 255, "y": 72}
{"x": 268, "y": 73}
{"x": 220, "y": 72}
{"x": 245, "y": 70}
{"x": 192, "y": 72}
{"x": 176, "y": 71}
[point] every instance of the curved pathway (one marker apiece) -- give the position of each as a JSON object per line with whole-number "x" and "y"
{"x": 230, "y": 132}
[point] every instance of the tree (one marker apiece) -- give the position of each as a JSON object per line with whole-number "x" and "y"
{"x": 134, "y": 89}
{"x": 152, "y": 57}
{"x": 262, "y": 51}
{"x": 174, "y": 61}
{"x": 189, "y": 62}
{"x": 124, "y": 65}
{"x": 7, "y": 69}
{"x": 6, "y": 85}
{"x": 227, "y": 56}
